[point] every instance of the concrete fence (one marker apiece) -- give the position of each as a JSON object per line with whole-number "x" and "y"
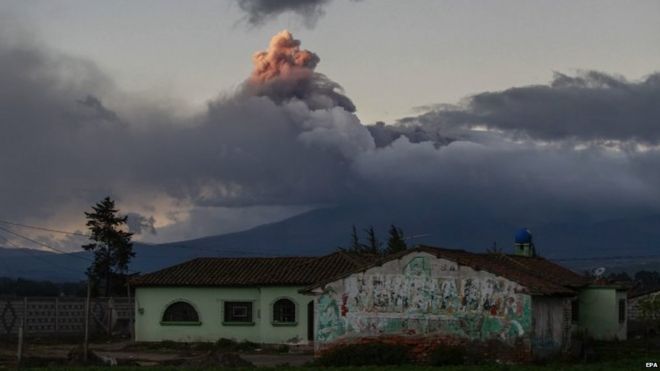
{"x": 64, "y": 316}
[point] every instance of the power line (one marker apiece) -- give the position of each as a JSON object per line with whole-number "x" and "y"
{"x": 31, "y": 253}
{"x": 45, "y": 245}
{"x": 43, "y": 229}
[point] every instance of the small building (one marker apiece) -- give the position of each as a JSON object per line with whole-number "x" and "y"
{"x": 519, "y": 306}
{"x": 602, "y": 311}
{"x": 244, "y": 299}
{"x": 644, "y": 310}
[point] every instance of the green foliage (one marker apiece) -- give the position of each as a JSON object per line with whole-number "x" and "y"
{"x": 111, "y": 245}
{"x": 373, "y": 245}
{"x": 369, "y": 354}
{"x": 649, "y": 307}
{"x": 447, "y": 356}
{"x": 395, "y": 241}
{"x": 25, "y": 287}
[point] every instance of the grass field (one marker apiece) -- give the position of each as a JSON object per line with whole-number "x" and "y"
{"x": 623, "y": 364}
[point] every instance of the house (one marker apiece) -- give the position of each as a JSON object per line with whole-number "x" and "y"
{"x": 517, "y": 305}
{"x": 644, "y": 310}
{"x": 245, "y": 299}
{"x": 520, "y": 306}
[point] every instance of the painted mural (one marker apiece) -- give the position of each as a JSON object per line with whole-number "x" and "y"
{"x": 424, "y": 296}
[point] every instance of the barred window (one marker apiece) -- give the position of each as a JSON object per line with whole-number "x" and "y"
{"x": 622, "y": 310}
{"x": 284, "y": 311}
{"x": 238, "y": 311}
{"x": 575, "y": 310}
{"x": 180, "y": 312}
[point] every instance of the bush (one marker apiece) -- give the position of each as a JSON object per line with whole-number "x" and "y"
{"x": 369, "y": 354}
{"x": 447, "y": 355}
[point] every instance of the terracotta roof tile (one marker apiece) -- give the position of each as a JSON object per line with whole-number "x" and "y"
{"x": 295, "y": 271}
{"x": 538, "y": 275}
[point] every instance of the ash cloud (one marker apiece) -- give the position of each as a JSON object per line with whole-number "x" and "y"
{"x": 286, "y": 140}
{"x": 285, "y": 72}
{"x": 260, "y": 11}
{"x": 101, "y": 112}
{"x": 140, "y": 224}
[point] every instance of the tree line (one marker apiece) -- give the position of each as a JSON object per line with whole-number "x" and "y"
{"x": 396, "y": 242}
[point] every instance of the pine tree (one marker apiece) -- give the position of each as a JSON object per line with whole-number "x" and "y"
{"x": 355, "y": 246}
{"x": 373, "y": 245}
{"x": 111, "y": 245}
{"x": 395, "y": 241}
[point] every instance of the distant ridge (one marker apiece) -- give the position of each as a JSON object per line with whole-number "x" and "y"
{"x": 321, "y": 231}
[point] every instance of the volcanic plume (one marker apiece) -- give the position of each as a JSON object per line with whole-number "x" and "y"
{"x": 285, "y": 72}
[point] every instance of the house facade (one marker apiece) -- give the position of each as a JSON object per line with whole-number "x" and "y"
{"x": 519, "y": 306}
{"x": 428, "y": 296}
{"x": 244, "y": 299}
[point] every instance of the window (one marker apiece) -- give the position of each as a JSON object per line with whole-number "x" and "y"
{"x": 284, "y": 311}
{"x": 238, "y": 311}
{"x": 622, "y": 310}
{"x": 180, "y": 312}
{"x": 575, "y": 311}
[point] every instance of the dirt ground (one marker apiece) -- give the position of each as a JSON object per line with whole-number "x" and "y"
{"x": 128, "y": 353}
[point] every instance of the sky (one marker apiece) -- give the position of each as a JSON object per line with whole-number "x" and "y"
{"x": 159, "y": 104}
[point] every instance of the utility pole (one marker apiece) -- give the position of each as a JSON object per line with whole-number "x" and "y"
{"x": 87, "y": 305}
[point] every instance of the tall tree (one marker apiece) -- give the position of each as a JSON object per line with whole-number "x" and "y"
{"x": 373, "y": 244}
{"x": 395, "y": 241}
{"x": 111, "y": 245}
{"x": 354, "y": 246}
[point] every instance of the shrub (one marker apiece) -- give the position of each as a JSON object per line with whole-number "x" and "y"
{"x": 368, "y": 354}
{"x": 447, "y": 355}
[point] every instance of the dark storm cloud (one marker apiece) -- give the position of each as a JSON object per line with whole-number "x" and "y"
{"x": 260, "y": 11}
{"x": 590, "y": 107}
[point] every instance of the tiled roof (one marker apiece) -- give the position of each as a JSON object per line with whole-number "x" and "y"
{"x": 294, "y": 271}
{"x": 538, "y": 275}
{"x": 641, "y": 290}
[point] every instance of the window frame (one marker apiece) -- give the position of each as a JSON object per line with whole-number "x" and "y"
{"x": 276, "y": 322}
{"x": 575, "y": 310}
{"x": 622, "y": 310}
{"x": 164, "y": 322}
{"x": 228, "y": 305}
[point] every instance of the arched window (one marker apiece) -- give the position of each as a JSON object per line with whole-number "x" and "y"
{"x": 284, "y": 311}
{"x": 180, "y": 312}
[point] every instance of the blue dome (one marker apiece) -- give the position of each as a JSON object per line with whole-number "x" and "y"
{"x": 523, "y": 235}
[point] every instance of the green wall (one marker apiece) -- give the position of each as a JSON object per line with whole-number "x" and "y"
{"x": 152, "y": 301}
{"x": 599, "y": 313}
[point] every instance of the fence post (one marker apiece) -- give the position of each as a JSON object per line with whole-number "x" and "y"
{"x": 25, "y": 313}
{"x": 19, "y": 352}
{"x": 109, "y": 324}
{"x": 87, "y": 304}
{"x": 57, "y": 316}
